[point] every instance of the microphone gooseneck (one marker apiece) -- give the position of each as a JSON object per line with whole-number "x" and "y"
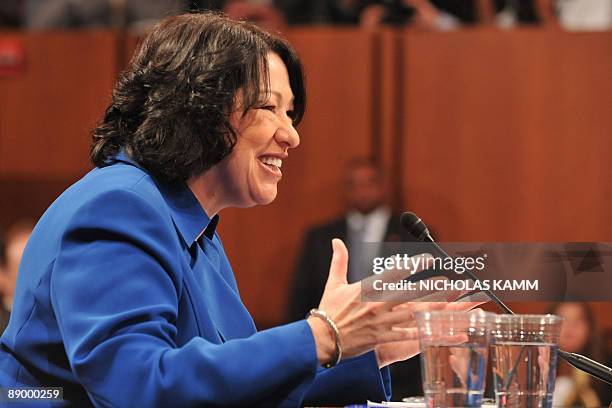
{"x": 417, "y": 228}
{"x": 589, "y": 366}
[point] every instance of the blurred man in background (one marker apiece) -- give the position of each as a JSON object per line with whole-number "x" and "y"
{"x": 367, "y": 219}
{"x": 16, "y": 238}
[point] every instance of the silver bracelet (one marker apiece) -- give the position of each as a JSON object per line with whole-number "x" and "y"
{"x": 325, "y": 317}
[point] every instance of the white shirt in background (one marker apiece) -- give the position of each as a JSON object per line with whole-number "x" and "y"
{"x": 374, "y": 225}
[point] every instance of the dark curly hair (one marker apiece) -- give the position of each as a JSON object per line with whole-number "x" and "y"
{"x": 170, "y": 110}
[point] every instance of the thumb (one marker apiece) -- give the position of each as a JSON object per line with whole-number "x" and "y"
{"x": 339, "y": 264}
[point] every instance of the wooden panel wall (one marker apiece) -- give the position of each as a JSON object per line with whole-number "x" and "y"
{"x": 389, "y": 133}
{"x": 507, "y": 134}
{"x": 47, "y": 110}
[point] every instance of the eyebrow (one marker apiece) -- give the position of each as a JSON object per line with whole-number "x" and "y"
{"x": 280, "y": 96}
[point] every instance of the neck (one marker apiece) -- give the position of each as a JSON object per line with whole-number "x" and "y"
{"x": 210, "y": 192}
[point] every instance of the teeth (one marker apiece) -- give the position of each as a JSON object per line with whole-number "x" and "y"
{"x": 274, "y": 161}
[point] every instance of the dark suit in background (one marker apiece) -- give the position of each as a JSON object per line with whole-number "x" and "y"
{"x": 315, "y": 257}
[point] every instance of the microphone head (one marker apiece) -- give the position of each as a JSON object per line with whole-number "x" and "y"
{"x": 415, "y": 226}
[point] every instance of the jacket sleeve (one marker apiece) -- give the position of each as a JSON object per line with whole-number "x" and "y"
{"x": 354, "y": 380}
{"x": 115, "y": 287}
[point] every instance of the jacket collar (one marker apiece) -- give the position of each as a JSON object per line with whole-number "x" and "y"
{"x": 188, "y": 215}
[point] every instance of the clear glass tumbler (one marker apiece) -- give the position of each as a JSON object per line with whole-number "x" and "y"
{"x": 524, "y": 359}
{"x": 454, "y": 351}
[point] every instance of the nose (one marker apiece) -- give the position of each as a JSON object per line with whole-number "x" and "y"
{"x": 287, "y": 135}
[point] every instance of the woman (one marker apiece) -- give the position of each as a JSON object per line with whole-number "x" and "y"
{"x": 579, "y": 334}
{"x": 125, "y": 295}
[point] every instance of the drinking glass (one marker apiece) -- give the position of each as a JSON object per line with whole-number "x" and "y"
{"x": 454, "y": 351}
{"x": 524, "y": 359}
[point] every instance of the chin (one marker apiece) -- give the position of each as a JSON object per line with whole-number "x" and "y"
{"x": 265, "y": 197}
{"x": 267, "y": 200}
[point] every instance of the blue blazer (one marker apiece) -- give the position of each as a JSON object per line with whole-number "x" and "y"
{"x": 125, "y": 298}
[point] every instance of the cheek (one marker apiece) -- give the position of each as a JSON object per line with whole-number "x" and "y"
{"x": 234, "y": 167}
{"x": 260, "y": 130}
{"x": 243, "y": 166}
{"x": 248, "y": 125}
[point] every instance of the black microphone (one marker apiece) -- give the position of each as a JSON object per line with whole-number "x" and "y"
{"x": 417, "y": 228}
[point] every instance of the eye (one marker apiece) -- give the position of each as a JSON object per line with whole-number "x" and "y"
{"x": 270, "y": 108}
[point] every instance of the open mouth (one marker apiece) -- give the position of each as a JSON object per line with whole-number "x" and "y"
{"x": 273, "y": 164}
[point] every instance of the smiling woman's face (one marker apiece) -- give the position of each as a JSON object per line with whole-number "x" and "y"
{"x": 265, "y": 134}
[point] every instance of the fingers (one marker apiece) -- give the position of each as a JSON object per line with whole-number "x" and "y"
{"x": 462, "y": 306}
{"x": 453, "y": 339}
{"x": 406, "y": 311}
{"x": 339, "y": 264}
{"x": 395, "y": 335}
{"x": 429, "y": 306}
{"x": 395, "y": 317}
{"x": 411, "y": 332}
{"x": 459, "y": 365}
{"x": 398, "y": 318}
{"x": 426, "y": 304}
{"x": 391, "y": 352}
